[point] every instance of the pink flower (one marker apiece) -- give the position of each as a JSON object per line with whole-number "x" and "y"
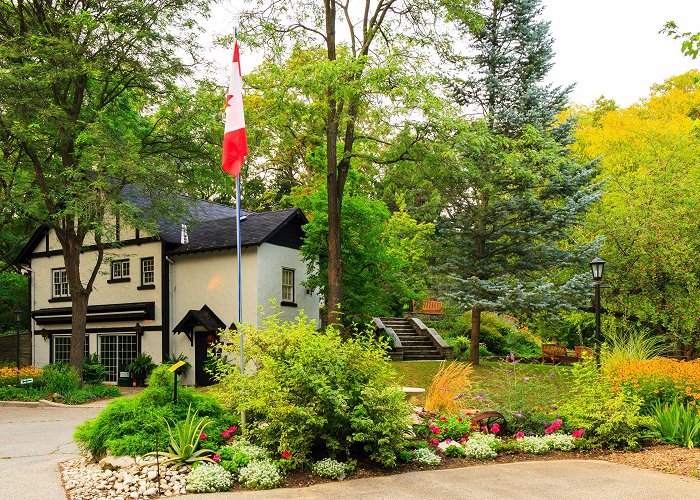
{"x": 436, "y": 442}
{"x": 448, "y": 440}
{"x": 229, "y": 431}
{"x": 495, "y": 428}
{"x": 202, "y": 436}
{"x": 549, "y": 430}
{"x": 216, "y": 457}
{"x": 520, "y": 435}
{"x": 556, "y": 424}
{"x": 463, "y": 440}
{"x": 232, "y": 438}
{"x": 578, "y": 434}
{"x": 286, "y": 454}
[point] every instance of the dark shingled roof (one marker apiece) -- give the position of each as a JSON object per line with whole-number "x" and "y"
{"x": 205, "y": 318}
{"x": 212, "y": 226}
{"x": 256, "y": 228}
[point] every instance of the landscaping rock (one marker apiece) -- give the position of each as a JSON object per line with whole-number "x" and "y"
{"x": 114, "y": 463}
{"x": 85, "y": 480}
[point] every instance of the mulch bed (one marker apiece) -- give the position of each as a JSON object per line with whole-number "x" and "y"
{"x": 664, "y": 458}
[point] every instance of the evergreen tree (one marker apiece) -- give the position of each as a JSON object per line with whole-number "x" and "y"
{"x": 522, "y": 190}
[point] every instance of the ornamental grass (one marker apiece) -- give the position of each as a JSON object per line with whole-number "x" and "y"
{"x": 657, "y": 380}
{"x": 446, "y": 393}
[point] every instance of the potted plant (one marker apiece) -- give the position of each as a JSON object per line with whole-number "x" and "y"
{"x": 140, "y": 367}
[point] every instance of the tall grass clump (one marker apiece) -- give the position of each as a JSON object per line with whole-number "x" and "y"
{"x": 631, "y": 345}
{"x": 677, "y": 424}
{"x": 450, "y": 383}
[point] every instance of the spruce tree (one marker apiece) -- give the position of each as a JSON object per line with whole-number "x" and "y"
{"x": 522, "y": 190}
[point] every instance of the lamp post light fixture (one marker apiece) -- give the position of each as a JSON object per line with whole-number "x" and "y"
{"x": 597, "y": 269}
{"x": 18, "y": 319}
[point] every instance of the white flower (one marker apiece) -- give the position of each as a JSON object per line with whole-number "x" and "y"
{"x": 208, "y": 478}
{"x": 329, "y": 469}
{"x": 427, "y": 457}
{"x": 260, "y": 475}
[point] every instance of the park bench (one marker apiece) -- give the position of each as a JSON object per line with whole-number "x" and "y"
{"x": 557, "y": 353}
{"x": 426, "y": 307}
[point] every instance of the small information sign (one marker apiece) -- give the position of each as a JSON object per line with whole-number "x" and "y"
{"x": 176, "y": 366}
{"x": 25, "y": 381}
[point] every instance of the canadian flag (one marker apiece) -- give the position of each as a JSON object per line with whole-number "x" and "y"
{"x": 235, "y": 141}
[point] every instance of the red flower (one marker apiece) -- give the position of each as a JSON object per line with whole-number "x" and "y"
{"x": 556, "y": 424}
{"x": 216, "y": 458}
{"x": 549, "y": 430}
{"x": 443, "y": 419}
{"x": 459, "y": 419}
{"x": 202, "y": 436}
{"x": 519, "y": 435}
{"x": 578, "y": 433}
{"x": 286, "y": 454}
{"x": 495, "y": 428}
{"x": 436, "y": 442}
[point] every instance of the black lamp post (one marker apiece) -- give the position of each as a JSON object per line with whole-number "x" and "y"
{"x": 597, "y": 269}
{"x": 18, "y": 318}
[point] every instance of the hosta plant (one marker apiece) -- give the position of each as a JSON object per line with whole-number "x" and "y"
{"x": 184, "y": 441}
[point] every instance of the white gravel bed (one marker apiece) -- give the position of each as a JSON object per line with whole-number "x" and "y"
{"x": 86, "y": 480}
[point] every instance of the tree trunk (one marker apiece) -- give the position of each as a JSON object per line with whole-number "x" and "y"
{"x": 79, "y": 301}
{"x": 474, "y": 344}
{"x": 335, "y": 266}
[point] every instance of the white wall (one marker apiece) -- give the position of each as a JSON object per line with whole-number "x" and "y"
{"x": 271, "y": 260}
{"x": 103, "y": 292}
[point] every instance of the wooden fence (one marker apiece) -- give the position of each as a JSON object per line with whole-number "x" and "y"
{"x": 8, "y": 349}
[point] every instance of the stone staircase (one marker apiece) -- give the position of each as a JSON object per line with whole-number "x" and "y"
{"x": 416, "y": 347}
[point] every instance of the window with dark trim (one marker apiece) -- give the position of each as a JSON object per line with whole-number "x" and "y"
{"x": 287, "y": 286}
{"x": 148, "y": 273}
{"x": 59, "y": 279}
{"x": 61, "y": 348}
{"x": 121, "y": 270}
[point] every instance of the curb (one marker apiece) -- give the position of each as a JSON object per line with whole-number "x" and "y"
{"x": 43, "y": 403}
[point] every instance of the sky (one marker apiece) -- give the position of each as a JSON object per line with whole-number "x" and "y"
{"x": 605, "y": 47}
{"x": 613, "y": 47}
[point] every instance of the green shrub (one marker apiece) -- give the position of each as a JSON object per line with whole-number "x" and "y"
{"x": 455, "y": 450}
{"x": 239, "y": 453}
{"x": 12, "y": 393}
{"x": 260, "y": 475}
{"x": 93, "y": 371}
{"x": 676, "y": 424}
{"x": 208, "y": 478}
{"x": 611, "y": 419}
{"x": 161, "y": 376}
{"x": 60, "y": 378}
{"x": 316, "y": 393}
{"x": 129, "y": 426}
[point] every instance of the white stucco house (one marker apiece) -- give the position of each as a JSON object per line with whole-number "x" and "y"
{"x": 170, "y": 293}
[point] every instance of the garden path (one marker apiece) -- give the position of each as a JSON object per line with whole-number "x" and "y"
{"x": 33, "y": 440}
{"x": 570, "y": 479}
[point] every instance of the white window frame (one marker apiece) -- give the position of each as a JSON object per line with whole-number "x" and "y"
{"x": 145, "y": 272}
{"x": 287, "y": 287}
{"x": 121, "y": 269}
{"x": 59, "y": 283}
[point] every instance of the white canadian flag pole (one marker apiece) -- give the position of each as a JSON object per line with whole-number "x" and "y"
{"x": 235, "y": 151}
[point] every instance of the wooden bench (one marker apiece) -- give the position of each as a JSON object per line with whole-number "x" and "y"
{"x": 557, "y": 353}
{"x": 426, "y": 307}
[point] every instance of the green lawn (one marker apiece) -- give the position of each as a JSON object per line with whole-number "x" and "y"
{"x": 497, "y": 384}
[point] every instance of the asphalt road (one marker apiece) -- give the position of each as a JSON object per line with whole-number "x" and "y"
{"x": 34, "y": 440}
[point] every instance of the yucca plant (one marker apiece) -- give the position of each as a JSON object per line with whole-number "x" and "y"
{"x": 184, "y": 441}
{"x": 677, "y": 424}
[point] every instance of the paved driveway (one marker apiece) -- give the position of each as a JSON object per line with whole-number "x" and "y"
{"x": 32, "y": 442}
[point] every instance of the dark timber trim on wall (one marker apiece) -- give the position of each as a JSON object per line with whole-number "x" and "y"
{"x": 165, "y": 301}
